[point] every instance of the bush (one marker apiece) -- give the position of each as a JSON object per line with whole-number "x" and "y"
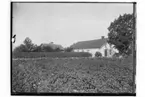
{"x": 27, "y": 46}
{"x": 47, "y": 49}
{"x": 37, "y": 49}
{"x": 118, "y": 55}
{"x": 21, "y": 48}
{"x": 57, "y": 50}
{"x": 68, "y": 49}
{"x": 98, "y": 54}
{"x": 49, "y": 54}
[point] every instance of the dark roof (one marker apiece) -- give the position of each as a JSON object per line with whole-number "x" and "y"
{"x": 54, "y": 46}
{"x": 89, "y": 44}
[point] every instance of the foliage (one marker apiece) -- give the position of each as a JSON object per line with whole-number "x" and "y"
{"x": 50, "y": 54}
{"x": 88, "y": 75}
{"x": 37, "y": 49}
{"x": 21, "y": 48}
{"x": 47, "y": 49}
{"x": 98, "y": 54}
{"x": 68, "y": 49}
{"x": 116, "y": 55}
{"x": 57, "y": 50}
{"x": 28, "y": 44}
{"x": 121, "y": 33}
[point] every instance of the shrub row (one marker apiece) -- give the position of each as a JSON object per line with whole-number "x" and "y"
{"x": 50, "y": 54}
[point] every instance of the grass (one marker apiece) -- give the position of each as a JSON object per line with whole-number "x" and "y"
{"x": 89, "y": 75}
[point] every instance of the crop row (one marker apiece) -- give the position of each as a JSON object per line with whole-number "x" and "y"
{"x": 72, "y": 75}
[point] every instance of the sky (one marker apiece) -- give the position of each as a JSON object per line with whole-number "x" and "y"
{"x": 64, "y": 23}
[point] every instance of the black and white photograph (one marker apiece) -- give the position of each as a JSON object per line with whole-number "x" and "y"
{"x": 73, "y": 48}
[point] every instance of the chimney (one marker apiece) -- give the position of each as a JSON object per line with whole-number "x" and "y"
{"x": 102, "y": 37}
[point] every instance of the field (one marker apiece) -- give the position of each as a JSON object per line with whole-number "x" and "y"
{"x": 67, "y": 75}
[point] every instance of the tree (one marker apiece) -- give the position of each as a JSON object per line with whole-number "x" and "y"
{"x": 98, "y": 54}
{"x": 37, "y": 48}
{"x": 21, "y": 48}
{"x": 29, "y": 45}
{"x": 121, "y": 33}
{"x": 57, "y": 49}
{"x": 68, "y": 49}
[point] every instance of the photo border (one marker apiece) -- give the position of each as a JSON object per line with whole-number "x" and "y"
{"x": 74, "y": 94}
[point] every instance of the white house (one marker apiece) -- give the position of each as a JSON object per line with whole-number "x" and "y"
{"x": 93, "y": 46}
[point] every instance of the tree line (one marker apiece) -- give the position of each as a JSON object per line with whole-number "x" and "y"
{"x": 28, "y": 46}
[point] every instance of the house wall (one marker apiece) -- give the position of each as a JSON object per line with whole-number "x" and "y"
{"x": 110, "y": 50}
{"x": 92, "y": 51}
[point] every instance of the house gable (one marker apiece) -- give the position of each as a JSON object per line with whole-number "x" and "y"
{"x": 89, "y": 44}
{"x": 93, "y": 46}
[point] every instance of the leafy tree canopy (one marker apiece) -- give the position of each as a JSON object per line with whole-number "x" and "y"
{"x": 28, "y": 43}
{"x": 21, "y": 48}
{"x": 121, "y": 33}
{"x": 68, "y": 49}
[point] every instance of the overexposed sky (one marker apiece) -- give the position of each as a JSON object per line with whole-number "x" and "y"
{"x": 64, "y": 23}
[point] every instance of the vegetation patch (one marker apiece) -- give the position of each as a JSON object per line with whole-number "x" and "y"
{"x": 50, "y": 54}
{"x": 89, "y": 75}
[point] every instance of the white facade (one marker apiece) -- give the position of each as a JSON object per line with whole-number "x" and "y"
{"x": 106, "y": 50}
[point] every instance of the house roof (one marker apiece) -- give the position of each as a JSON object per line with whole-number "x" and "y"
{"x": 54, "y": 46}
{"x": 90, "y": 44}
